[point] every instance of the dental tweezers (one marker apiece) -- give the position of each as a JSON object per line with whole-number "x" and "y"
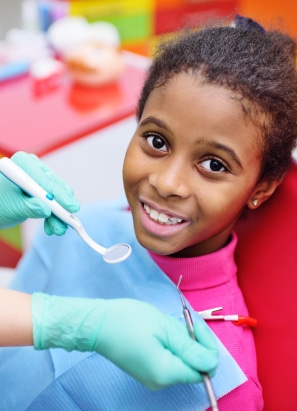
{"x": 190, "y": 327}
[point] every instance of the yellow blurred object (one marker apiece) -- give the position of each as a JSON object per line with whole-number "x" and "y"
{"x": 92, "y": 9}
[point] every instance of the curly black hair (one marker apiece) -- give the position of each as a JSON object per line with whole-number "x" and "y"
{"x": 258, "y": 66}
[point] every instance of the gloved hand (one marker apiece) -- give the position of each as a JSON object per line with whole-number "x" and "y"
{"x": 152, "y": 347}
{"x": 16, "y": 206}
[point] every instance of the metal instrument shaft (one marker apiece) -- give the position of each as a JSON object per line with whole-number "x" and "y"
{"x": 190, "y": 327}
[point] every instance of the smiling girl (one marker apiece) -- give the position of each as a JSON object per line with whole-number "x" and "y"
{"x": 191, "y": 167}
{"x": 217, "y": 123}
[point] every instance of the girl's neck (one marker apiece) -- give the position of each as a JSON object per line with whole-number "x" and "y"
{"x": 200, "y": 272}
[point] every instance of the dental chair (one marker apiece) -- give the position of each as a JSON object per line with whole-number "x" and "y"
{"x": 267, "y": 272}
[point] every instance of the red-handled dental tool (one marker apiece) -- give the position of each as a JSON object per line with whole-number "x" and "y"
{"x": 235, "y": 318}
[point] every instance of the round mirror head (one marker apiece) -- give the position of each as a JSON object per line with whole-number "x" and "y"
{"x": 117, "y": 253}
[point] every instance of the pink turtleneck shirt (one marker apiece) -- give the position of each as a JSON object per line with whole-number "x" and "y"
{"x": 210, "y": 281}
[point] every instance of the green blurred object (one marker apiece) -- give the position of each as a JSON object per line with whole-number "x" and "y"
{"x": 12, "y": 236}
{"x": 133, "y": 19}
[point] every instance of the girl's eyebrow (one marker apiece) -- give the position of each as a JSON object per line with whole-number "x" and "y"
{"x": 227, "y": 149}
{"x": 153, "y": 120}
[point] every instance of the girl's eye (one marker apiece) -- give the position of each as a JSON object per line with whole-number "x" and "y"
{"x": 213, "y": 165}
{"x": 157, "y": 142}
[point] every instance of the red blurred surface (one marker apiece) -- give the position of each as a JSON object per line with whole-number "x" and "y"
{"x": 192, "y": 14}
{"x": 9, "y": 254}
{"x": 40, "y": 122}
{"x": 267, "y": 270}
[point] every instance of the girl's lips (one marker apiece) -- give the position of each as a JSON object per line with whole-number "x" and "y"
{"x": 160, "y": 228}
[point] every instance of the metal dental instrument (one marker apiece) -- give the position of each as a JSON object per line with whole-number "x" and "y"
{"x": 190, "y": 327}
{"x": 114, "y": 254}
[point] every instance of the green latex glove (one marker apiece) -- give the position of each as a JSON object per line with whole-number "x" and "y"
{"x": 16, "y": 206}
{"x": 152, "y": 347}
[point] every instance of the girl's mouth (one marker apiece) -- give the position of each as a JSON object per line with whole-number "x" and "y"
{"x": 161, "y": 218}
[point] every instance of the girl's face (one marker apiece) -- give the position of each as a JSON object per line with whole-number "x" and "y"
{"x": 191, "y": 167}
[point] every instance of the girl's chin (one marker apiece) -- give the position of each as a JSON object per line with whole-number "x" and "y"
{"x": 156, "y": 246}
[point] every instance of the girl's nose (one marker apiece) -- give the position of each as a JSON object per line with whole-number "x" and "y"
{"x": 170, "y": 181}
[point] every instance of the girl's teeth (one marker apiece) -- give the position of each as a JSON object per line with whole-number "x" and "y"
{"x": 161, "y": 217}
{"x": 154, "y": 214}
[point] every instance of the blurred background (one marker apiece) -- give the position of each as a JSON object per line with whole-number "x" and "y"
{"x": 70, "y": 75}
{"x": 141, "y": 21}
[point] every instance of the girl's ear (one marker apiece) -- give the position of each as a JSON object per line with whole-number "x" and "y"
{"x": 262, "y": 192}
